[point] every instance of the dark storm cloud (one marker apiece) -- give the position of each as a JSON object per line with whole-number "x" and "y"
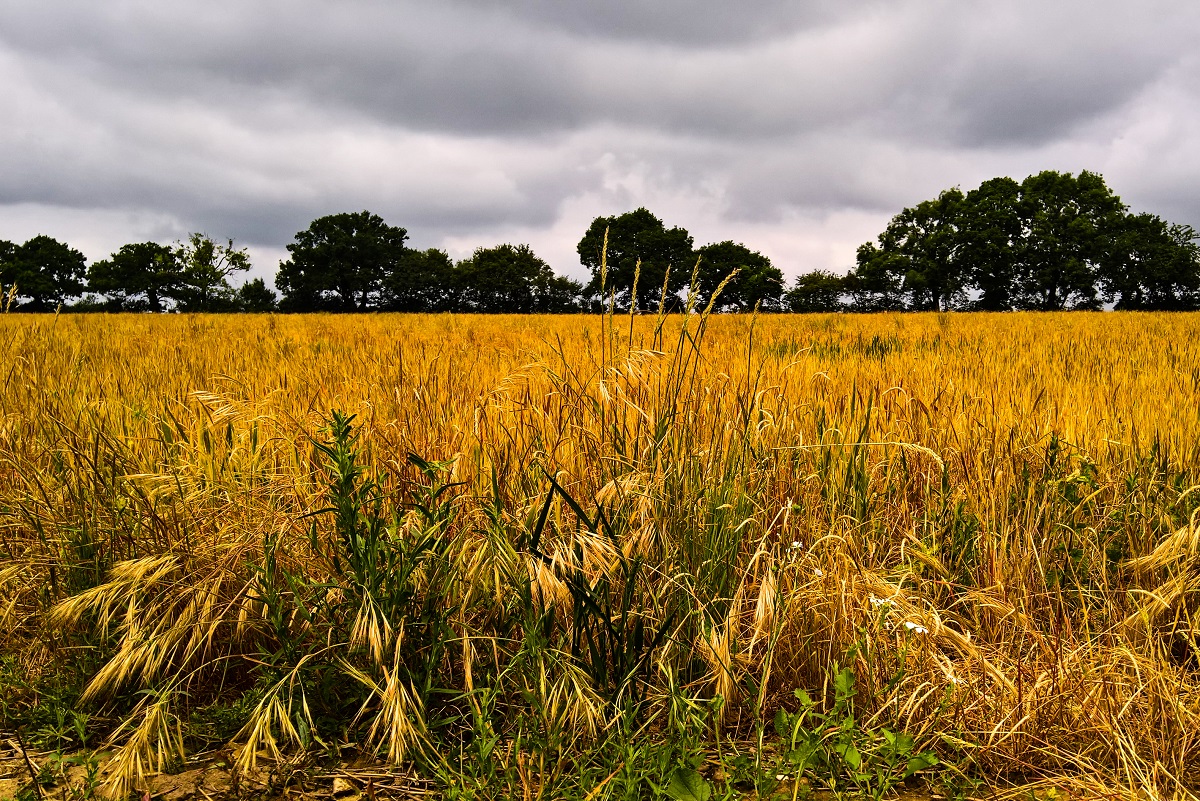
{"x": 484, "y": 67}
{"x": 453, "y": 68}
{"x": 497, "y": 118}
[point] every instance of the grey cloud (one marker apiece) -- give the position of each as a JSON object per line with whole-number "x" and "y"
{"x": 1016, "y": 83}
{"x": 677, "y": 21}
{"x": 261, "y": 173}
{"x": 915, "y": 67}
{"x": 463, "y": 116}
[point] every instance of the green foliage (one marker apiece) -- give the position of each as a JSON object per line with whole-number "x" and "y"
{"x": 921, "y": 248}
{"x": 688, "y": 785}
{"x": 876, "y": 283}
{"x": 663, "y": 756}
{"x": 205, "y": 268}
{"x": 512, "y": 279}
{"x": 638, "y": 245}
{"x": 757, "y": 283}
{"x": 219, "y": 722}
{"x": 46, "y": 272}
{"x": 339, "y": 263}
{"x": 385, "y": 607}
{"x": 356, "y": 262}
{"x": 45, "y": 705}
{"x": 53, "y": 774}
{"x": 89, "y": 787}
{"x": 991, "y": 232}
{"x": 255, "y": 296}
{"x": 1052, "y": 241}
{"x": 1156, "y": 266}
{"x": 422, "y": 281}
{"x": 818, "y": 291}
{"x": 1066, "y": 242}
{"x": 613, "y": 633}
{"x": 138, "y": 277}
{"x": 835, "y": 745}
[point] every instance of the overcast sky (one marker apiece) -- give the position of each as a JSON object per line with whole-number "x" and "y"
{"x": 798, "y": 128}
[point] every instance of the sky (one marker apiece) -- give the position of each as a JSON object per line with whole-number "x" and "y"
{"x": 796, "y": 128}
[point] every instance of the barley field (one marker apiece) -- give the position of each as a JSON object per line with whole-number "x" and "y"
{"x": 609, "y": 557}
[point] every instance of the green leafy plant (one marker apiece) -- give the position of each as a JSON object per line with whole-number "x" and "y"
{"x": 687, "y": 784}
{"x": 375, "y": 628}
{"x": 834, "y": 744}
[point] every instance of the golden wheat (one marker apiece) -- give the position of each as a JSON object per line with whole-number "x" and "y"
{"x": 1000, "y": 509}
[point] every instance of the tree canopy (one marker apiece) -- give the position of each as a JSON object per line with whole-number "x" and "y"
{"x": 756, "y": 283}
{"x": 358, "y": 262}
{"x": 205, "y": 267}
{"x": 919, "y": 254}
{"x": 421, "y": 281}
{"x": 818, "y": 291}
{"x": 138, "y": 277}
{"x": 510, "y": 278}
{"x": 1157, "y": 265}
{"x": 1052, "y": 241}
{"x": 255, "y": 296}
{"x": 1066, "y": 244}
{"x": 641, "y": 247}
{"x": 991, "y": 232}
{"x": 339, "y": 263}
{"x": 191, "y": 276}
{"x": 46, "y": 272}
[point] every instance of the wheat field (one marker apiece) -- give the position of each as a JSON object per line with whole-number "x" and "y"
{"x": 501, "y": 549}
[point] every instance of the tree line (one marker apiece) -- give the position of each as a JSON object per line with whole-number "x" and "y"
{"x": 44, "y": 274}
{"x": 357, "y": 262}
{"x": 1052, "y": 241}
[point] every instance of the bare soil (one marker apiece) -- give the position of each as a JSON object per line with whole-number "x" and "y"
{"x": 208, "y": 777}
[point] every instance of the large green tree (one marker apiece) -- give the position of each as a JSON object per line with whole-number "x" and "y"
{"x": 139, "y": 277}
{"x": 818, "y": 291}
{"x": 992, "y": 232}
{"x": 255, "y": 296}
{"x": 1153, "y": 265}
{"x": 339, "y": 263}
{"x": 512, "y": 279}
{"x": 1067, "y": 239}
{"x": 757, "y": 282}
{"x": 665, "y": 255}
{"x": 206, "y": 267}
{"x": 45, "y": 271}
{"x": 1052, "y": 241}
{"x": 919, "y": 255}
{"x": 876, "y": 283}
{"x": 421, "y": 281}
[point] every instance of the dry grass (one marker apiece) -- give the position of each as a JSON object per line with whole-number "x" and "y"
{"x": 1000, "y": 510}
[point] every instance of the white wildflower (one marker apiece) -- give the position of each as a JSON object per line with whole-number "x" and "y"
{"x": 915, "y": 628}
{"x": 818, "y": 572}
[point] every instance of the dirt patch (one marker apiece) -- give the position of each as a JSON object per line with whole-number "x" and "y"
{"x": 77, "y": 777}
